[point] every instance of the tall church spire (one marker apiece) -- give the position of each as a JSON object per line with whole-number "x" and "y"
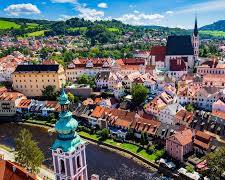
{"x": 195, "y": 40}
{"x": 196, "y": 27}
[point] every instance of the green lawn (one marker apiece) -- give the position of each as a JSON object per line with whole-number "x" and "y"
{"x": 213, "y": 33}
{"x": 8, "y": 25}
{"x": 130, "y": 147}
{"x": 35, "y": 34}
{"x": 32, "y": 25}
{"x": 92, "y": 136}
{"x": 113, "y": 29}
{"x": 77, "y": 28}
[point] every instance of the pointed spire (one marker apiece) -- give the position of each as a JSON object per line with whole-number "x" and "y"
{"x": 196, "y": 27}
{"x": 63, "y": 100}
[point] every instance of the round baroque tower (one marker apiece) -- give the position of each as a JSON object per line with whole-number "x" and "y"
{"x": 68, "y": 150}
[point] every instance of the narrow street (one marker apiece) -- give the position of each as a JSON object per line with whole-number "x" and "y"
{"x": 44, "y": 172}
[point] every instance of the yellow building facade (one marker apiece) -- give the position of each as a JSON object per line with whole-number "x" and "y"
{"x": 32, "y": 79}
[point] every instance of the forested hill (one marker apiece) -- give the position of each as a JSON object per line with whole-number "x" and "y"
{"x": 74, "y": 26}
{"x": 103, "y": 31}
{"x": 216, "y": 26}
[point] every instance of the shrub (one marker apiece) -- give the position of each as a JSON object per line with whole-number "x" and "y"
{"x": 190, "y": 169}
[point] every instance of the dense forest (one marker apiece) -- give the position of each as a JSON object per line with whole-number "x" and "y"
{"x": 100, "y": 31}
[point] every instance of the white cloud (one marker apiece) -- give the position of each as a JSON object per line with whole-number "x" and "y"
{"x": 135, "y": 11}
{"x": 140, "y": 18}
{"x": 20, "y": 9}
{"x": 169, "y": 12}
{"x": 103, "y": 5}
{"x": 88, "y": 13}
{"x": 209, "y": 6}
{"x": 64, "y": 1}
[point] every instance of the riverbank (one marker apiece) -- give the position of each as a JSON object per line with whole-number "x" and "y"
{"x": 124, "y": 149}
{"x": 113, "y": 147}
{"x": 100, "y": 160}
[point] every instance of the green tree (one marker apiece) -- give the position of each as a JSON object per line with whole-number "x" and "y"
{"x": 190, "y": 108}
{"x": 216, "y": 162}
{"x": 151, "y": 149}
{"x": 130, "y": 134}
{"x": 28, "y": 154}
{"x": 83, "y": 79}
{"x": 190, "y": 169}
{"x": 104, "y": 134}
{"x": 71, "y": 97}
{"x": 50, "y": 93}
{"x": 76, "y": 99}
{"x": 139, "y": 93}
{"x": 144, "y": 138}
{"x": 68, "y": 56}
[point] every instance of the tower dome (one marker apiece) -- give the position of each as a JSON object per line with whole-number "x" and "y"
{"x": 67, "y": 138}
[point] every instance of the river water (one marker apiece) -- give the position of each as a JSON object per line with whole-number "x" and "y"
{"x": 100, "y": 161}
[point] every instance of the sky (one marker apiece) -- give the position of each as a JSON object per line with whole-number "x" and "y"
{"x": 170, "y": 13}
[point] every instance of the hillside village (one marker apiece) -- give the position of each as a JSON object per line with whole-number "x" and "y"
{"x": 166, "y": 97}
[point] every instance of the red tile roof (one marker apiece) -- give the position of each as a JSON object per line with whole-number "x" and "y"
{"x": 203, "y": 135}
{"x": 133, "y": 61}
{"x": 120, "y": 117}
{"x": 99, "y": 111}
{"x": 201, "y": 144}
{"x": 24, "y": 103}
{"x": 184, "y": 116}
{"x": 146, "y": 125}
{"x": 10, "y": 96}
{"x": 182, "y": 137}
{"x": 202, "y": 140}
{"x": 159, "y": 52}
{"x": 219, "y": 114}
{"x": 12, "y": 171}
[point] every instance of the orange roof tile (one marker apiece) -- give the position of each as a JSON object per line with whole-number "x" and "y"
{"x": 146, "y": 125}
{"x": 219, "y": 114}
{"x": 201, "y": 144}
{"x": 98, "y": 112}
{"x": 203, "y": 135}
{"x": 10, "y": 96}
{"x": 24, "y": 103}
{"x": 10, "y": 170}
{"x": 183, "y": 137}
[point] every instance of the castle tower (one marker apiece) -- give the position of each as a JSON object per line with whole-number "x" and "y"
{"x": 68, "y": 150}
{"x": 195, "y": 40}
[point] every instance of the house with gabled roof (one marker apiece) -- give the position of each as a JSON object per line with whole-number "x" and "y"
{"x": 180, "y": 144}
{"x": 168, "y": 114}
{"x": 149, "y": 126}
{"x": 11, "y": 170}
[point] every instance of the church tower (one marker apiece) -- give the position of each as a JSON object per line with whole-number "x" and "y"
{"x": 68, "y": 150}
{"x": 195, "y": 40}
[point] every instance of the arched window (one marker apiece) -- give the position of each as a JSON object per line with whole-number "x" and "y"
{"x": 62, "y": 166}
{"x": 78, "y": 162}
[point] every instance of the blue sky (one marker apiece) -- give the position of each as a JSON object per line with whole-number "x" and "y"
{"x": 172, "y": 13}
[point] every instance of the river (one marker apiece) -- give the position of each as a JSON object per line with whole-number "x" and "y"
{"x": 100, "y": 161}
